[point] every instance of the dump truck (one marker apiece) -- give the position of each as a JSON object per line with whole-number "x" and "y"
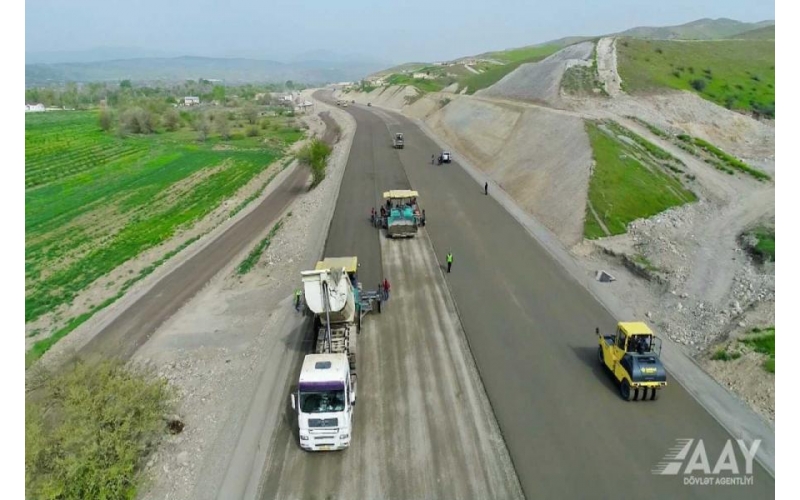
{"x": 633, "y": 357}
{"x": 398, "y": 142}
{"x": 402, "y": 216}
{"x": 326, "y": 391}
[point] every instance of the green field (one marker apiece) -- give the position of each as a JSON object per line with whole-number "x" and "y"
{"x": 94, "y": 200}
{"x": 425, "y": 85}
{"x": 737, "y": 74}
{"x": 628, "y": 182}
{"x": 762, "y": 340}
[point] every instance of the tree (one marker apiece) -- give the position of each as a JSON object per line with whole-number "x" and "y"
{"x": 250, "y": 114}
{"x": 223, "y": 128}
{"x": 138, "y": 121}
{"x": 289, "y": 84}
{"x": 172, "y": 120}
{"x": 125, "y": 84}
{"x": 218, "y": 93}
{"x": 105, "y": 119}
{"x": 203, "y": 128}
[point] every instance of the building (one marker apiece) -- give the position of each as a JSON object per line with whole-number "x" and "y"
{"x": 191, "y": 100}
{"x": 34, "y": 108}
{"x": 422, "y": 76}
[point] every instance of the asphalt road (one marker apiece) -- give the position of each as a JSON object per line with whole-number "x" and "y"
{"x": 530, "y": 327}
{"x": 131, "y": 329}
{"x": 423, "y": 424}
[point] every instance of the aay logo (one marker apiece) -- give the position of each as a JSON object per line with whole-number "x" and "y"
{"x": 689, "y": 457}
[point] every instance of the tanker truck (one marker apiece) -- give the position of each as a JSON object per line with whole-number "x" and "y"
{"x": 326, "y": 392}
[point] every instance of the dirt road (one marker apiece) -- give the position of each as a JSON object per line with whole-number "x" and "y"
{"x": 423, "y": 426}
{"x": 530, "y": 327}
{"x": 130, "y": 330}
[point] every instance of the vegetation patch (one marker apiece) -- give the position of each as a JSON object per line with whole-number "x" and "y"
{"x": 762, "y": 341}
{"x": 722, "y": 157}
{"x": 626, "y": 185}
{"x": 255, "y": 254}
{"x": 582, "y": 80}
{"x": 737, "y": 74}
{"x": 724, "y": 355}
{"x": 90, "y": 429}
{"x": 423, "y": 84}
{"x": 760, "y": 242}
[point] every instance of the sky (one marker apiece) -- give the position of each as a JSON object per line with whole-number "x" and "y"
{"x": 386, "y": 31}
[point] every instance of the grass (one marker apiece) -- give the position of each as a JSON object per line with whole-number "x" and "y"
{"x": 648, "y": 146}
{"x": 423, "y": 84}
{"x": 644, "y": 262}
{"x": 87, "y": 211}
{"x": 737, "y": 74}
{"x": 495, "y": 73}
{"x": 723, "y": 157}
{"x": 582, "y": 80}
{"x": 42, "y": 346}
{"x": 89, "y": 431}
{"x": 765, "y": 247}
{"x": 623, "y": 188}
{"x": 762, "y": 341}
{"x": 255, "y": 254}
{"x": 723, "y": 355}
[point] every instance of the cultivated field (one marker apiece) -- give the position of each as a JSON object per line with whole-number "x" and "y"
{"x": 95, "y": 199}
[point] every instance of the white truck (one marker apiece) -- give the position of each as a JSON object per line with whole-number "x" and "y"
{"x": 326, "y": 392}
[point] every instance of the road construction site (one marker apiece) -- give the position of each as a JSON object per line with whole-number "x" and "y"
{"x": 480, "y": 383}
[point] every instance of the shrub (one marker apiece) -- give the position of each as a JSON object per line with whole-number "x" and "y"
{"x": 698, "y": 84}
{"x": 89, "y": 430}
{"x": 315, "y": 155}
{"x": 105, "y": 119}
{"x": 252, "y": 131}
{"x": 676, "y": 74}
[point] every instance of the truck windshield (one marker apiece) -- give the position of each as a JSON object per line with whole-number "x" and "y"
{"x": 322, "y": 401}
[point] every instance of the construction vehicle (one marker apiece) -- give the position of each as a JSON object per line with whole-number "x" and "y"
{"x": 632, "y": 355}
{"x": 401, "y": 217}
{"x": 445, "y": 157}
{"x": 327, "y": 389}
{"x": 398, "y": 142}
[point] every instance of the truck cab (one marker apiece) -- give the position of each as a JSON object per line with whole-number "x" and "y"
{"x": 324, "y": 402}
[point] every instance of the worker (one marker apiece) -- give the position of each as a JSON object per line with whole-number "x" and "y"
{"x": 383, "y": 212}
{"x": 486, "y": 189}
{"x": 297, "y": 294}
{"x": 386, "y": 288}
{"x": 381, "y": 293}
{"x": 423, "y": 216}
{"x": 372, "y": 216}
{"x": 449, "y": 261}
{"x": 388, "y": 204}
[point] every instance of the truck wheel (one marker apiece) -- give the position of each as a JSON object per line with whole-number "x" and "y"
{"x": 600, "y": 356}
{"x": 625, "y": 390}
{"x": 656, "y": 393}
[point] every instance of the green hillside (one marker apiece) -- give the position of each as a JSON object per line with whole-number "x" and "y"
{"x": 737, "y": 74}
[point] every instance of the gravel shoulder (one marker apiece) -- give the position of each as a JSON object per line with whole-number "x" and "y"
{"x": 231, "y": 349}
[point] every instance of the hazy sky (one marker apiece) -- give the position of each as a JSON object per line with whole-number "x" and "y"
{"x": 390, "y": 31}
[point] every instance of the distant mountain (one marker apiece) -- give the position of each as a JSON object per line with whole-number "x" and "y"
{"x": 230, "y": 70}
{"x": 93, "y": 55}
{"x": 765, "y": 33}
{"x": 702, "y": 29}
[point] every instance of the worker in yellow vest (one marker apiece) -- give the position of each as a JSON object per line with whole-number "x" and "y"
{"x": 449, "y": 261}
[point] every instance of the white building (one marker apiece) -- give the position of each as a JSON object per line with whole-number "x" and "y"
{"x": 34, "y": 108}
{"x": 191, "y": 100}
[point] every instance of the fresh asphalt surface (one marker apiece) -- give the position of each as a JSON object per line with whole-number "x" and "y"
{"x": 530, "y": 327}
{"x": 423, "y": 427}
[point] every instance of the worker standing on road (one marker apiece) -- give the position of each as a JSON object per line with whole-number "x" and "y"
{"x": 297, "y": 294}
{"x": 386, "y": 288}
{"x": 486, "y": 189}
{"x": 449, "y": 261}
